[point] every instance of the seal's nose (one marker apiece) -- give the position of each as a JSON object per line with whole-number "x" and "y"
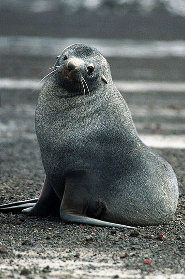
{"x": 71, "y": 66}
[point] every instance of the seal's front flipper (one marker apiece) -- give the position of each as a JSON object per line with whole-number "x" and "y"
{"x": 68, "y": 217}
{"x": 18, "y": 206}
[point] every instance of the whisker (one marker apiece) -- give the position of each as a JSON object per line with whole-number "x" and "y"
{"x": 47, "y": 75}
{"x": 84, "y": 99}
{"x": 83, "y": 86}
{"x": 86, "y": 85}
{"x": 54, "y": 67}
{"x": 34, "y": 90}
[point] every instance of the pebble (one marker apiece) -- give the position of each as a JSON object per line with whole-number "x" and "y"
{"x": 89, "y": 238}
{"x": 147, "y": 262}
{"x": 115, "y": 257}
{"x": 124, "y": 255}
{"x": 134, "y": 233}
{"x": 26, "y": 242}
{"x": 149, "y": 236}
{"x": 179, "y": 237}
{"x": 77, "y": 255}
{"x": 22, "y": 218}
{"x": 132, "y": 254}
{"x": 46, "y": 269}
{"x": 160, "y": 236}
{"x": 19, "y": 256}
{"x": 3, "y": 250}
{"x": 25, "y": 271}
{"x": 18, "y": 222}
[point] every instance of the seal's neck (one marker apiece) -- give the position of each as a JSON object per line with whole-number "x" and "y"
{"x": 53, "y": 106}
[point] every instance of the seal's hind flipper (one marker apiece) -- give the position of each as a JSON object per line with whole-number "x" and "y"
{"x": 74, "y": 218}
{"x": 18, "y": 203}
{"x": 18, "y": 206}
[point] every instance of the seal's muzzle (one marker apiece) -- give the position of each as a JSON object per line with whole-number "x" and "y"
{"x": 74, "y": 64}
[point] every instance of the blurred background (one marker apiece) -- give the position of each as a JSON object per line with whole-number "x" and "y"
{"x": 143, "y": 40}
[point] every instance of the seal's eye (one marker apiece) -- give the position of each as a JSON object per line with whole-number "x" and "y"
{"x": 65, "y": 57}
{"x": 90, "y": 69}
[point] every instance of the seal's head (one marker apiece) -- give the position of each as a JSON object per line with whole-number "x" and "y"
{"x": 81, "y": 69}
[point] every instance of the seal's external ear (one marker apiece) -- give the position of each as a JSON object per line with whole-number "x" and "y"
{"x": 104, "y": 79}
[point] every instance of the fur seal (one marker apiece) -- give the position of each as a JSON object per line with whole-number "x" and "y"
{"x": 98, "y": 171}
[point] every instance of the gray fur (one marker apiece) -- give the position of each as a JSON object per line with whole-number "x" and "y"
{"x": 92, "y": 153}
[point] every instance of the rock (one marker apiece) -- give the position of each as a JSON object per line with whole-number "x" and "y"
{"x": 134, "y": 233}
{"x": 77, "y": 255}
{"x": 160, "y": 236}
{"x": 46, "y": 269}
{"x": 124, "y": 255}
{"x": 89, "y": 238}
{"x": 3, "y": 250}
{"x": 147, "y": 262}
{"x": 18, "y": 222}
{"x": 25, "y": 271}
